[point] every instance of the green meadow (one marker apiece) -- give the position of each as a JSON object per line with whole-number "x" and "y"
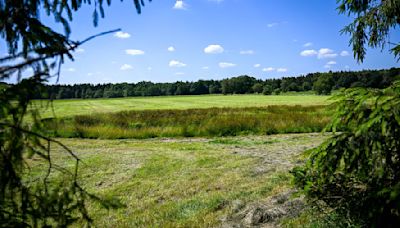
{"x": 63, "y": 108}
{"x": 186, "y": 161}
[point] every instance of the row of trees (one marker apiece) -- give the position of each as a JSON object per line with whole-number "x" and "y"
{"x": 321, "y": 83}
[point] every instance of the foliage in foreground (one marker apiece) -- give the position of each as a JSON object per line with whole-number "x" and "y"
{"x": 41, "y": 201}
{"x": 193, "y": 122}
{"x": 357, "y": 171}
{"x": 36, "y": 202}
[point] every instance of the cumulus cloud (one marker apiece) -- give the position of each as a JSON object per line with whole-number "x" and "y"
{"x": 309, "y": 44}
{"x": 226, "y": 65}
{"x": 330, "y": 64}
{"x": 247, "y": 52}
{"x": 79, "y": 50}
{"x": 126, "y": 67}
{"x": 281, "y": 70}
{"x": 180, "y": 5}
{"x": 71, "y": 69}
{"x": 324, "y": 53}
{"x": 171, "y": 49}
{"x": 344, "y": 53}
{"x": 269, "y": 69}
{"x": 257, "y": 65}
{"x": 122, "y": 35}
{"x": 205, "y": 68}
{"x": 307, "y": 53}
{"x": 214, "y": 49}
{"x": 176, "y": 63}
{"x": 134, "y": 52}
{"x": 270, "y": 25}
{"x": 179, "y": 73}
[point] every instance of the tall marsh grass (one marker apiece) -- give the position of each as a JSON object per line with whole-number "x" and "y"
{"x": 192, "y": 122}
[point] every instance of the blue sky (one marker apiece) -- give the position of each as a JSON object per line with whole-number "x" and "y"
{"x": 214, "y": 39}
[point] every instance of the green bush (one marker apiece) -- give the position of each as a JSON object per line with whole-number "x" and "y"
{"x": 357, "y": 171}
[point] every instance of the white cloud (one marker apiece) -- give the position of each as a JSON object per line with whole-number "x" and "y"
{"x": 257, "y": 65}
{"x": 134, "y": 52}
{"x": 90, "y": 74}
{"x": 171, "y": 49}
{"x": 307, "y": 53}
{"x": 149, "y": 68}
{"x": 179, "y": 73}
{"x": 71, "y": 69}
{"x": 79, "y": 50}
{"x": 309, "y": 44}
{"x": 270, "y": 25}
{"x": 330, "y": 64}
{"x": 176, "y": 63}
{"x": 344, "y": 53}
{"x": 122, "y": 35}
{"x": 247, "y": 52}
{"x": 205, "y": 68}
{"x": 180, "y": 5}
{"x": 269, "y": 69}
{"x": 214, "y": 49}
{"x": 324, "y": 53}
{"x": 126, "y": 67}
{"x": 281, "y": 70}
{"x": 226, "y": 65}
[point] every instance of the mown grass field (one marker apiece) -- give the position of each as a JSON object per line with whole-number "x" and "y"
{"x": 183, "y": 182}
{"x": 64, "y": 108}
{"x": 189, "y": 174}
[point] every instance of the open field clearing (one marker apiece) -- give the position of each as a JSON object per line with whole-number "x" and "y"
{"x": 193, "y": 122}
{"x": 63, "y": 108}
{"x": 193, "y": 182}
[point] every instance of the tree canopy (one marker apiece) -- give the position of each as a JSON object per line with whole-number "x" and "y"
{"x": 372, "y": 25}
{"x": 320, "y": 83}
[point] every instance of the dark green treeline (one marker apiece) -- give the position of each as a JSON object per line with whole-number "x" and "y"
{"x": 321, "y": 83}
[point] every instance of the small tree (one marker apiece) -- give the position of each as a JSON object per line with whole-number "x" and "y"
{"x": 267, "y": 90}
{"x": 324, "y": 84}
{"x": 257, "y": 88}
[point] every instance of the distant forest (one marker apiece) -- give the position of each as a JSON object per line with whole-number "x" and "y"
{"x": 321, "y": 83}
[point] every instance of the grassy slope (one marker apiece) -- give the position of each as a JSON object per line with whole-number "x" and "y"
{"x": 64, "y": 108}
{"x": 185, "y": 182}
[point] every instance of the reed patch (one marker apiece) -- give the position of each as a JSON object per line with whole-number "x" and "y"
{"x": 192, "y": 122}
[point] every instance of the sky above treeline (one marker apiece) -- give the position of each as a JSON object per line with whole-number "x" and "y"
{"x": 190, "y": 40}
